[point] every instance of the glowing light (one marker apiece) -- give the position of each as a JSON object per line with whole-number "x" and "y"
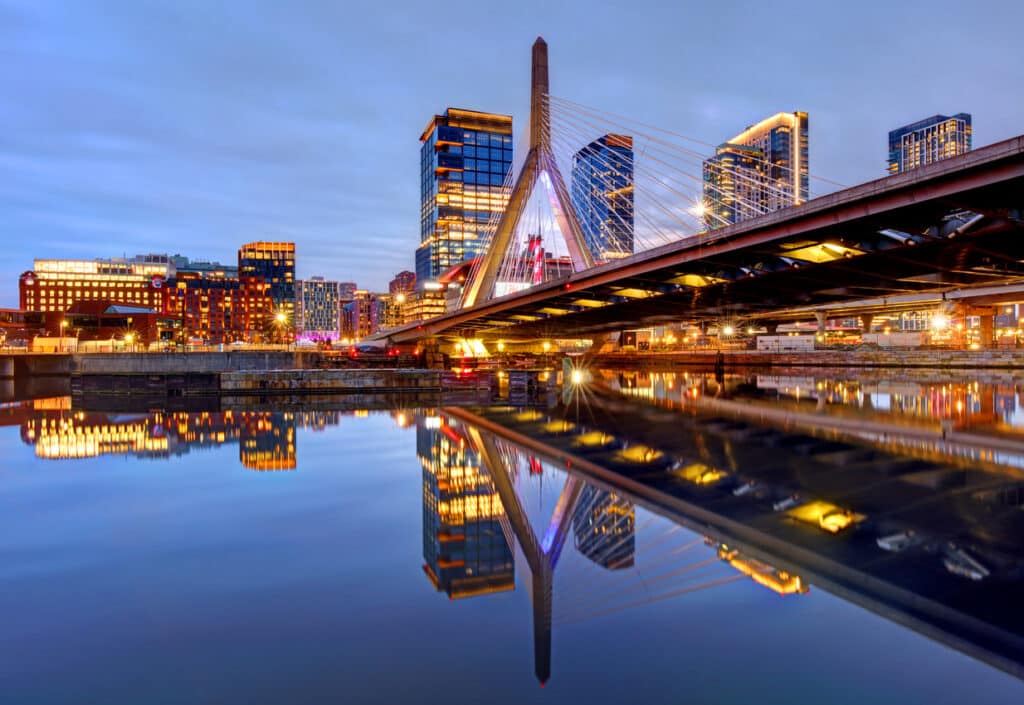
{"x": 280, "y": 317}
{"x": 501, "y": 346}
{"x": 546, "y": 346}
{"x": 728, "y": 330}
{"x": 576, "y": 377}
{"x": 940, "y": 321}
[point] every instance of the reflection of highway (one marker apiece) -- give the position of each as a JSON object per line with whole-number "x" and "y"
{"x": 927, "y": 412}
{"x": 266, "y": 439}
{"x": 931, "y": 545}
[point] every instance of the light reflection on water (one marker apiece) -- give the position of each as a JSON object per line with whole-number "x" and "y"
{"x": 195, "y": 579}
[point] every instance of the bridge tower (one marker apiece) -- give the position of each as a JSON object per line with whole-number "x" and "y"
{"x": 540, "y": 165}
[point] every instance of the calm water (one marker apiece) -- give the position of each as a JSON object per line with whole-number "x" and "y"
{"x": 294, "y": 557}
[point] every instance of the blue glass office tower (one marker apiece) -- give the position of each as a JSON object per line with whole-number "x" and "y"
{"x": 464, "y": 160}
{"x": 929, "y": 140}
{"x": 602, "y": 195}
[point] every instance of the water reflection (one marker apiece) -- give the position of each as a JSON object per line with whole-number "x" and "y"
{"x": 609, "y": 504}
{"x": 266, "y": 439}
{"x": 465, "y": 549}
{"x": 987, "y": 399}
{"x": 933, "y": 544}
{"x": 929, "y": 413}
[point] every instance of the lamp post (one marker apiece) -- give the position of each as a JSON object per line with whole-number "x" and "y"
{"x": 63, "y": 328}
{"x": 129, "y": 341}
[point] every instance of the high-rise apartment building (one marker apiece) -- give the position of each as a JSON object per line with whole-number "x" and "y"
{"x": 602, "y": 195}
{"x": 274, "y": 263}
{"x": 929, "y": 140}
{"x": 317, "y": 309}
{"x": 465, "y": 158}
{"x": 762, "y": 169}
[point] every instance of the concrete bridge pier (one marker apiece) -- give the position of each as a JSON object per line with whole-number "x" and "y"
{"x": 986, "y": 328}
{"x": 866, "y": 320}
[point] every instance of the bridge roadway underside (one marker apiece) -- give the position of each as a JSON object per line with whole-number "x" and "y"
{"x": 952, "y": 224}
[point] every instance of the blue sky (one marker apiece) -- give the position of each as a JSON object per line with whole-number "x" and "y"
{"x": 193, "y": 127}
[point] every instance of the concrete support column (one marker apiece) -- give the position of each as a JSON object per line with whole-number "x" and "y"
{"x": 865, "y": 321}
{"x": 822, "y": 320}
{"x": 771, "y": 328}
{"x": 987, "y": 327}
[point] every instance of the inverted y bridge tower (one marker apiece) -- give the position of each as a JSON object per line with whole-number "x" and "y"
{"x": 540, "y": 164}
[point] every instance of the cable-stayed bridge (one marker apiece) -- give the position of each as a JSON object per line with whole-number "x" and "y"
{"x": 661, "y": 252}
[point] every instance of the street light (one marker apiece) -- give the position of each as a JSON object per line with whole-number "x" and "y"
{"x": 129, "y": 339}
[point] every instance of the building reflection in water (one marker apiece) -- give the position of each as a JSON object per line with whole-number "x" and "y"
{"x": 465, "y": 548}
{"x": 474, "y": 516}
{"x": 266, "y": 439}
{"x": 603, "y": 528}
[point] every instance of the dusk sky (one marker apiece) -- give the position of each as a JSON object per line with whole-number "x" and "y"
{"x": 193, "y": 127}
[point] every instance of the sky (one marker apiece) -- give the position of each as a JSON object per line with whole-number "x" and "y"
{"x": 193, "y": 127}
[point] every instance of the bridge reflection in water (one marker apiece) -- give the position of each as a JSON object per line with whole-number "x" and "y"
{"x": 902, "y": 497}
{"x": 907, "y": 529}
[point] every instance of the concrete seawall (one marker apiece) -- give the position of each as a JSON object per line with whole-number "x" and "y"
{"x": 279, "y": 382}
{"x": 182, "y": 363}
{"x": 319, "y": 381}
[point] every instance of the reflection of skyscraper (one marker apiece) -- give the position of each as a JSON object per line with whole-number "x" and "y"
{"x": 465, "y": 549}
{"x": 604, "y": 526}
{"x": 267, "y": 441}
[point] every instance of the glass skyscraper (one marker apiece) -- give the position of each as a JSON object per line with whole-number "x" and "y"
{"x": 929, "y": 140}
{"x": 274, "y": 262}
{"x": 464, "y": 160}
{"x": 602, "y": 195}
{"x": 762, "y": 169}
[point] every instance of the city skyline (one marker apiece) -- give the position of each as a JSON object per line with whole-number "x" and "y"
{"x": 189, "y": 131}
